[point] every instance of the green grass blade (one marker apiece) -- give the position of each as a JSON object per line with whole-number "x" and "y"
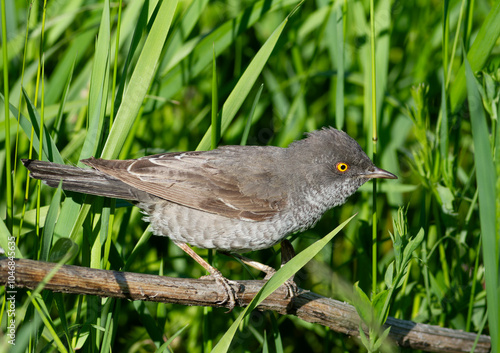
{"x": 155, "y": 333}
{"x": 99, "y": 80}
{"x": 58, "y": 299}
{"x": 40, "y": 306}
{"x": 188, "y": 20}
{"x": 244, "y": 137}
{"x": 42, "y": 310}
{"x": 49, "y": 147}
{"x": 141, "y": 25}
{"x": 279, "y": 99}
{"x": 281, "y": 276}
{"x": 244, "y": 85}
{"x": 58, "y": 121}
{"x": 477, "y": 56}
{"x": 216, "y": 121}
{"x": 6, "y": 86}
{"x": 164, "y": 346}
{"x": 486, "y": 183}
{"x": 336, "y": 48}
{"x": 141, "y": 77}
{"x": 6, "y": 241}
{"x": 195, "y": 56}
{"x": 72, "y": 57}
{"x": 443, "y": 129}
{"x": 49, "y": 225}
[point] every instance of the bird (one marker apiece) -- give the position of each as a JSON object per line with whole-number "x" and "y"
{"x": 233, "y": 199}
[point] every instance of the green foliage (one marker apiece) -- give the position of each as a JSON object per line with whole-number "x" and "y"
{"x": 374, "y": 312}
{"x": 486, "y": 180}
{"x": 130, "y": 78}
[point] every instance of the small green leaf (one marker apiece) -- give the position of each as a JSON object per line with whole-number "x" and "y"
{"x": 363, "y": 337}
{"x": 413, "y": 244}
{"x": 379, "y": 303}
{"x": 50, "y": 150}
{"x": 64, "y": 247}
{"x": 389, "y": 275}
{"x": 7, "y": 241}
{"x": 381, "y": 339}
{"x": 401, "y": 277}
{"x": 447, "y": 198}
{"x": 363, "y": 305}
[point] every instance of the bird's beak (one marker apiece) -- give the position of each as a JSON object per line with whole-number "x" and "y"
{"x": 379, "y": 173}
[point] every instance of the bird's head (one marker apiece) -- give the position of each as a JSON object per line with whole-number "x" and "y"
{"x": 335, "y": 158}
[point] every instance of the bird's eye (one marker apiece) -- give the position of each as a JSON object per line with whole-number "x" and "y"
{"x": 342, "y": 167}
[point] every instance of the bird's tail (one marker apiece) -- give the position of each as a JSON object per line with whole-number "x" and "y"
{"x": 87, "y": 181}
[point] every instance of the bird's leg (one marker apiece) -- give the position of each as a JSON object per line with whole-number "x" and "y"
{"x": 268, "y": 270}
{"x": 287, "y": 253}
{"x": 230, "y": 298}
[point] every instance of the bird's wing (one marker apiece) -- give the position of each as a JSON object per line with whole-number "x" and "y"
{"x": 196, "y": 180}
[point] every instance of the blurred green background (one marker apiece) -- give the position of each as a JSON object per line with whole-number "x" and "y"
{"x": 127, "y": 79}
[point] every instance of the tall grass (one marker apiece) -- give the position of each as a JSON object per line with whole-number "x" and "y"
{"x": 126, "y": 79}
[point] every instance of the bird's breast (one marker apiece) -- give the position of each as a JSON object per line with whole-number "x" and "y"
{"x": 315, "y": 201}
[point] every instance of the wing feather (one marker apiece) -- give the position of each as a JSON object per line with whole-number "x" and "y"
{"x": 208, "y": 181}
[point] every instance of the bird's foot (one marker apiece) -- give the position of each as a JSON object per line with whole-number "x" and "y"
{"x": 292, "y": 290}
{"x": 228, "y": 288}
{"x": 287, "y": 253}
{"x": 230, "y": 294}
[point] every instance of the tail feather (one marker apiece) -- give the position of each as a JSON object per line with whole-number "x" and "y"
{"x": 86, "y": 181}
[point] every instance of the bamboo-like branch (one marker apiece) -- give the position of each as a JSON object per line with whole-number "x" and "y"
{"x": 308, "y": 306}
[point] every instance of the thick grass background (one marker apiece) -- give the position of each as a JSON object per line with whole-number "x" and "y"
{"x": 123, "y": 80}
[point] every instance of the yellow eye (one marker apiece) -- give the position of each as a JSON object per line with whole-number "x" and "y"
{"x": 342, "y": 167}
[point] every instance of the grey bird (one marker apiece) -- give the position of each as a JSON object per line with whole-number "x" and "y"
{"x": 234, "y": 198}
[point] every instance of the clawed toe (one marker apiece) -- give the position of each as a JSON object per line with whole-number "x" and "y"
{"x": 292, "y": 289}
{"x": 287, "y": 254}
{"x": 230, "y": 293}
